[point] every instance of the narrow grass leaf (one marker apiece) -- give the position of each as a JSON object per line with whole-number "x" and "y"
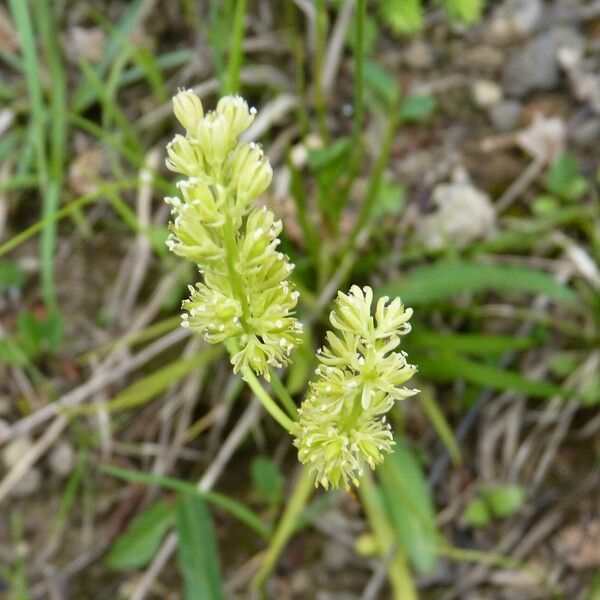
{"x": 148, "y": 387}
{"x": 439, "y": 281}
{"x": 447, "y": 367}
{"x": 234, "y": 508}
{"x": 198, "y": 556}
{"x": 136, "y": 547}
{"x": 410, "y": 507}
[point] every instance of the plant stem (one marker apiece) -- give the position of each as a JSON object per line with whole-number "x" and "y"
{"x": 264, "y": 398}
{"x": 359, "y": 62}
{"x": 284, "y": 396}
{"x": 393, "y": 557}
{"x": 300, "y": 495}
{"x": 318, "y": 66}
{"x": 376, "y": 178}
{"x": 235, "y": 278}
{"x": 236, "y": 55}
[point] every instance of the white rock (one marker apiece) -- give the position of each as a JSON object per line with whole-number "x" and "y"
{"x": 13, "y": 452}
{"x": 28, "y": 485}
{"x": 464, "y": 214}
{"x": 62, "y": 459}
{"x": 486, "y": 93}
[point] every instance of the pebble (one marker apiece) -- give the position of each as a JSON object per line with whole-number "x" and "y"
{"x": 418, "y": 55}
{"x": 533, "y": 67}
{"x": 486, "y": 93}
{"x": 516, "y": 19}
{"x": 14, "y": 451}
{"x": 586, "y": 134}
{"x": 506, "y": 116}
{"x": 28, "y": 485}
{"x": 62, "y": 459}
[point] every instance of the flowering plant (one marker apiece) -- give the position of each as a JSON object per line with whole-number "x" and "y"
{"x": 245, "y": 297}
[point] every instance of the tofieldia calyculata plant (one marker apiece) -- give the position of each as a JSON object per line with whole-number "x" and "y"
{"x": 246, "y": 300}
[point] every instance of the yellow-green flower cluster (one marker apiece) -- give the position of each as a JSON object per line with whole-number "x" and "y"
{"x": 244, "y": 293}
{"x": 342, "y": 425}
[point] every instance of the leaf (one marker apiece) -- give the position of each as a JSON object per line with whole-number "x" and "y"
{"x": 565, "y": 179}
{"x": 504, "y": 501}
{"x": 225, "y": 503}
{"x": 380, "y": 85}
{"x": 198, "y": 556}
{"x": 136, "y": 547}
{"x": 465, "y": 11}
{"x": 38, "y": 335}
{"x": 11, "y": 275}
{"x": 417, "y": 108}
{"x": 477, "y": 513}
{"x": 267, "y": 479}
{"x": 148, "y": 387}
{"x": 476, "y": 344}
{"x": 442, "y": 280}
{"x": 402, "y": 16}
{"x": 410, "y": 507}
{"x": 391, "y": 199}
{"x": 447, "y": 367}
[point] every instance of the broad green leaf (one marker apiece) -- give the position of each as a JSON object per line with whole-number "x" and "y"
{"x": 391, "y": 200}
{"x": 11, "y": 275}
{"x": 267, "y": 479}
{"x": 136, "y": 547}
{"x": 565, "y": 179}
{"x": 198, "y": 556}
{"x": 410, "y": 507}
{"x": 477, "y": 513}
{"x": 380, "y": 85}
{"x": 466, "y": 11}
{"x": 439, "y": 281}
{"x": 504, "y": 501}
{"x": 417, "y": 108}
{"x": 447, "y": 367}
{"x": 402, "y": 16}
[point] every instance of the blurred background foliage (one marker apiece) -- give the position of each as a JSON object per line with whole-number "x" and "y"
{"x": 445, "y": 152}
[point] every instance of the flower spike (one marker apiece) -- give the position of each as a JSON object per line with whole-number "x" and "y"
{"x": 342, "y": 423}
{"x": 244, "y": 293}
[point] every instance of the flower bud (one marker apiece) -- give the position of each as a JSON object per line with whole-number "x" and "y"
{"x": 235, "y": 110}
{"x": 182, "y": 156}
{"x": 188, "y": 110}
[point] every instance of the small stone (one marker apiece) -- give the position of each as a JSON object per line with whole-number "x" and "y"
{"x": 587, "y": 133}
{"x": 532, "y": 67}
{"x": 28, "y": 485}
{"x": 515, "y": 19}
{"x": 62, "y": 459}
{"x": 15, "y": 450}
{"x": 418, "y": 55}
{"x": 506, "y": 115}
{"x": 486, "y": 93}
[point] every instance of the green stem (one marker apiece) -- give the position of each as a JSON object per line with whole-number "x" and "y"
{"x": 287, "y": 524}
{"x": 377, "y": 175}
{"x": 284, "y": 396}
{"x": 353, "y": 415}
{"x": 319, "y": 57}
{"x": 236, "y": 54}
{"x": 235, "y": 278}
{"x": 395, "y": 561}
{"x": 266, "y": 400}
{"x": 359, "y": 62}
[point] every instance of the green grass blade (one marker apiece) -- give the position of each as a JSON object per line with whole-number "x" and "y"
{"x": 236, "y": 54}
{"x": 439, "y": 281}
{"x": 235, "y": 509}
{"x": 152, "y": 385}
{"x": 198, "y": 556}
{"x": 447, "y": 367}
{"x": 410, "y": 507}
{"x": 136, "y": 547}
